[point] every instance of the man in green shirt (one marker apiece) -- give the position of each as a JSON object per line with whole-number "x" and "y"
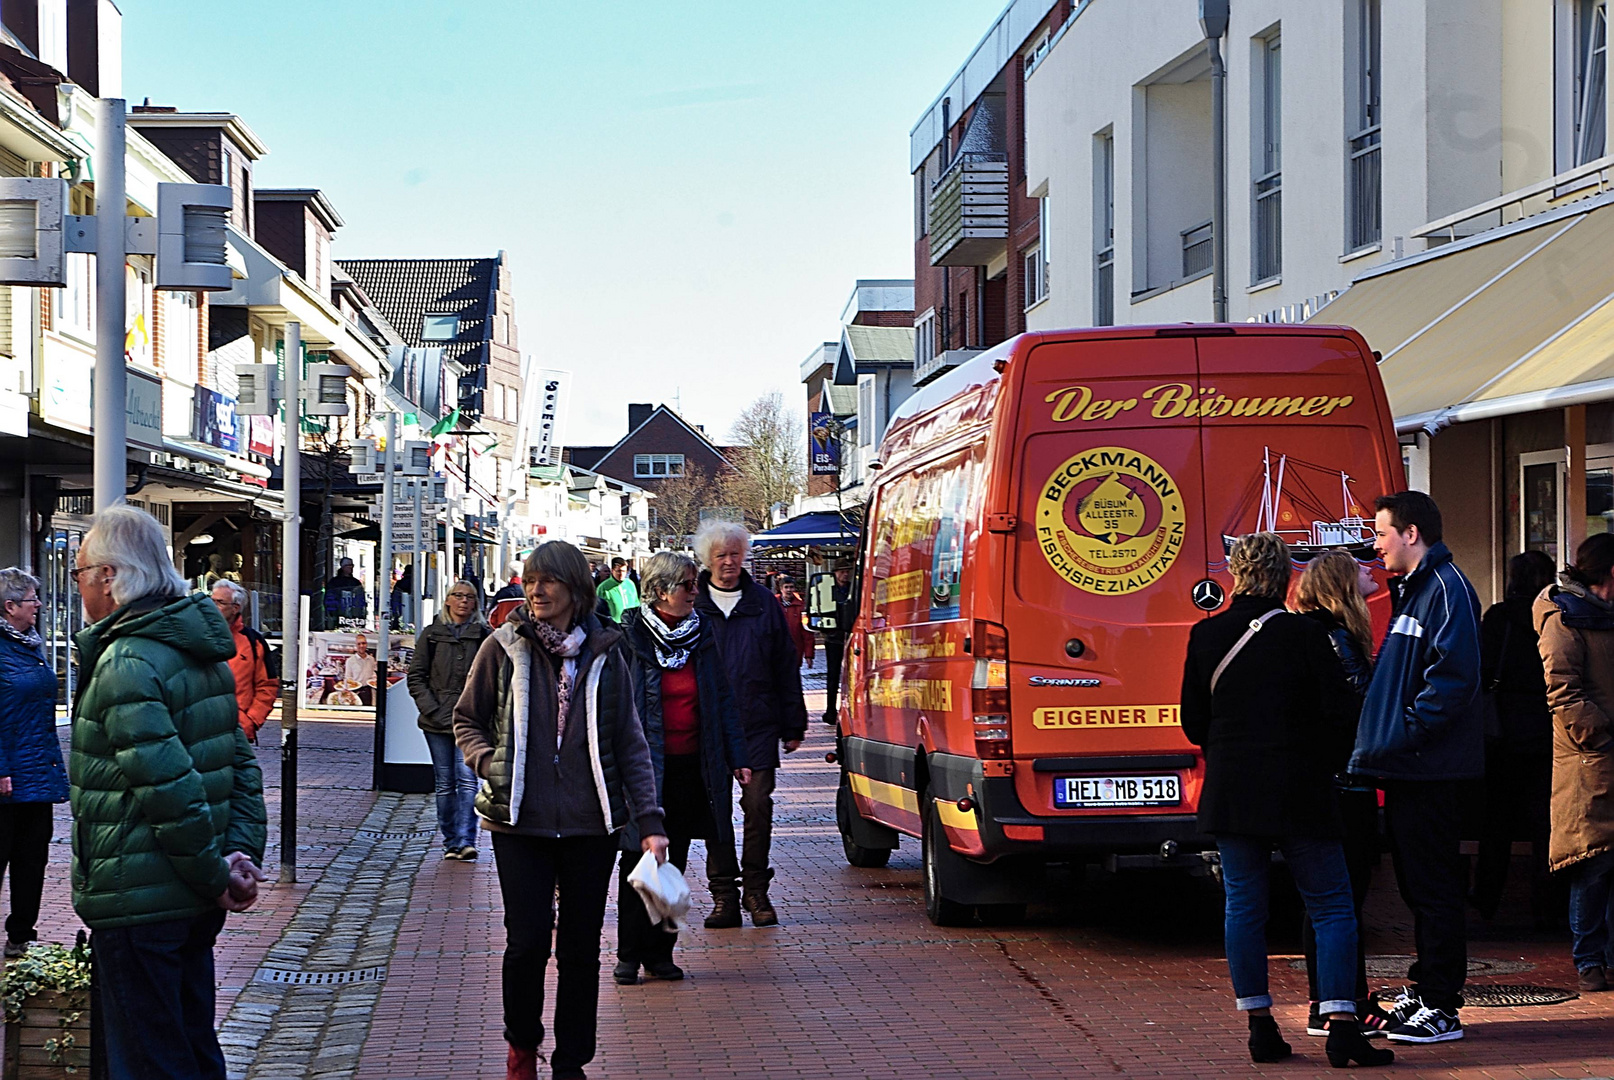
{"x": 618, "y": 591}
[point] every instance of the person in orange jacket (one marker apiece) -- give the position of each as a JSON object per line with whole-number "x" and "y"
{"x": 255, "y": 687}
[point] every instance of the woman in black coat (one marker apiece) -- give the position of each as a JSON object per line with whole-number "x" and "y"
{"x": 1518, "y": 749}
{"x": 1262, "y": 694}
{"x": 684, "y": 702}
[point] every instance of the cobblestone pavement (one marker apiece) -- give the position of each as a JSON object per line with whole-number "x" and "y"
{"x": 1110, "y": 976}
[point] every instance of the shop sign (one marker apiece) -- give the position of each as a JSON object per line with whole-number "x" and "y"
{"x": 66, "y": 397}
{"x": 823, "y": 445}
{"x": 213, "y": 421}
{"x": 143, "y": 425}
{"x": 261, "y": 435}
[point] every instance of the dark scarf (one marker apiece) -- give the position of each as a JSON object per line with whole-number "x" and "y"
{"x": 673, "y": 644}
{"x": 29, "y": 637}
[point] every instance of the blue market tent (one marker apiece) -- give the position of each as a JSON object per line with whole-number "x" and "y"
{"x": 825, "y": 529}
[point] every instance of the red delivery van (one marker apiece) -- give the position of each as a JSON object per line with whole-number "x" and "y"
{"x": 1049, "y": 520}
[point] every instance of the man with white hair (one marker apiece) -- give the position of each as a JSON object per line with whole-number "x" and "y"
{"x": 763, "y": 664}
{"x": 169, "y": 823}
{"x": 256, "y": 686}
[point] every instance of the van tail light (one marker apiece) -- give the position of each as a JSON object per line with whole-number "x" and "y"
{"x": 989, "y": 691}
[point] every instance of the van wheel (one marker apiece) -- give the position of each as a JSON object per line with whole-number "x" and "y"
{"x": 866, "y": 858}
{"x": 939, "y": 909}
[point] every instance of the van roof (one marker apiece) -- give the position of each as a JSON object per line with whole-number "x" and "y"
{"x": 982, "y": 369}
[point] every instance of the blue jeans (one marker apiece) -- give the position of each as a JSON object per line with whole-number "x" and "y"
{"x": 155, "y": 985}
{"x": 455, "y": 788}
{"x": 1591, "y": 910}
{"x": 1319, "y": 871}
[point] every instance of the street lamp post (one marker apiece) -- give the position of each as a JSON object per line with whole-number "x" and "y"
{"x": 291, "y": 572}
{"x": 111, "y": 378}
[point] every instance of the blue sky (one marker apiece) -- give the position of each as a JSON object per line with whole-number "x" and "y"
{"x": 686, "y": 191}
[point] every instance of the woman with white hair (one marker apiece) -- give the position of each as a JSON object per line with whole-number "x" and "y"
{"x": 169, "y": 821}
{"x": 764, "y": 670}
{"x": 31, "y": 772}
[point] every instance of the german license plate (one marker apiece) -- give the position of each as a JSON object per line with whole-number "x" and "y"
{"x": 1082, "y": 792}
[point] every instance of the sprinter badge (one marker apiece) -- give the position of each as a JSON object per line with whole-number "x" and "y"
{"x": 1110, "y": 521}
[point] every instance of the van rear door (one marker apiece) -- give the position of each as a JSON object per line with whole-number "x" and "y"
{"x": 1294, "y": 443}
{"x": 1108, "y": 549}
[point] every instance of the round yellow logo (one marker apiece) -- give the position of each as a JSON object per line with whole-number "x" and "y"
{"x": 1110, "y": 521}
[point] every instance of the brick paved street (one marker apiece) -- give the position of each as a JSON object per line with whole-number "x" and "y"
{"x": 1111, "y": 977}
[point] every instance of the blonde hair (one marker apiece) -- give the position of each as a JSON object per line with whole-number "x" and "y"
{"x": 1259, "y": 563}
{"x": 1329, "y": 584}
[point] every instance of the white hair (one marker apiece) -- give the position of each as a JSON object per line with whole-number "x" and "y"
{"x": 714, "y": 534}
{"x": 131, "y": 541}
{"x": 238, "y": 593}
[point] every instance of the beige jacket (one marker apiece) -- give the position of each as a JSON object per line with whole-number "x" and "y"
{"x": 1577, "y": 649}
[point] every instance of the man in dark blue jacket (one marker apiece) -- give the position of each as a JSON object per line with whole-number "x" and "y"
{"x": 1421, "y": 733}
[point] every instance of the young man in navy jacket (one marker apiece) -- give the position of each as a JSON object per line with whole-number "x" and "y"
{"x": 1421, "y": 733}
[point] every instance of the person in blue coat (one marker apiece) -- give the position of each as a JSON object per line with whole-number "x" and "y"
{"x": 32, "y": 776}
{"x": 1422, "y": 733}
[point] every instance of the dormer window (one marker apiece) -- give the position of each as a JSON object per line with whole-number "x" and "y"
{"x": 440, "y": 328}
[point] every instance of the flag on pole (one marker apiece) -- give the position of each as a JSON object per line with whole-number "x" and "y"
{"x": 447, "y": 423}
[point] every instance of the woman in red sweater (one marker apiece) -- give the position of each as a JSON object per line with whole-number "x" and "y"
{"x": 683, "y": 701}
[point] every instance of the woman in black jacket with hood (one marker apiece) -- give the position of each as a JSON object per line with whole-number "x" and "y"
{"x": 683, "y": 700}
{"x": 1333, "y": 592}
{"x": 1518, "y": 746}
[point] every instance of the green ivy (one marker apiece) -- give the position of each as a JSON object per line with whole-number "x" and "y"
{"x": 47, "y": 966}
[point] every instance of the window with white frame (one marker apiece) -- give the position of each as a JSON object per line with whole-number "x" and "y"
{"x": 1034, "y": 262}
{"x": 658, "y": 465}
{"x": 74, "y": 304}
{"x": 1104, "y": 229}
{"x": 1590, "y": 117}
{"x": 439, "y": 327}
{"x": 924, "y": 339}
{"x": 865, "y": 411}
{"x": 1267, "y": 246}
{"x": 1364, "y": 221}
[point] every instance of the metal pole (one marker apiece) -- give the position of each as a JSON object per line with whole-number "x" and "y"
{"x": 1219, "y": 182}
{"x": 449, "y": 577}
{"x": 383, "y": 609}
{"x": 111, "y": 379}
{"x": 291, "y": 572}
{"x": 417, "y": 558}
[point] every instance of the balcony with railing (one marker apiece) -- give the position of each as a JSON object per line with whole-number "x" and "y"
{"x": 1196, "y": 250}
{"x": 1366, "y": 217}
{"x": 1268, "y": 254}
{"x": 969, "y": 211}
{"x": 1104, "y": 288}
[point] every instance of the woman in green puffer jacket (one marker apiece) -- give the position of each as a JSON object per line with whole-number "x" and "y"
{"x": 169, "y": 822}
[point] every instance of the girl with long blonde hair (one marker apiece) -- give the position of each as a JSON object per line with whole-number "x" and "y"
{"x": 1334, "y": 590}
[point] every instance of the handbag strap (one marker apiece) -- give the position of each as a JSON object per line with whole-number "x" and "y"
{"x": 1238, "y": 646}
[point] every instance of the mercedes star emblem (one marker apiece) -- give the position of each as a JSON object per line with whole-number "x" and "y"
{"x": 1208, "y": 594}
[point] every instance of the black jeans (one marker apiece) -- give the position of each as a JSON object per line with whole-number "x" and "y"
{"x": 1360, "y": 809}
{"x": 1423, "y": 819}
{"x": 155, "y": 991}
{"x": 532, "y": 869}
{"x": 1518, "y": 797}
{"x": 25, "y": 830}
{"x": 638, "y": 940}
{"x": 834, "y": 649}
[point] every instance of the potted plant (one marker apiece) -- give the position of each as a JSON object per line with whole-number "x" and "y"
{"x": 46, "y": 993}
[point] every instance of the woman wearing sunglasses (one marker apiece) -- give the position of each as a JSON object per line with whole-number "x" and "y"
{"x": 683, "y": 700}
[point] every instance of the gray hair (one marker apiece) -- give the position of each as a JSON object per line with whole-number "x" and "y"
{"x": 131, "y": 541}
{"x": 714, "y": 534}
{"x": 16, "y": 583}
{"x": 238, "y": 593}
{"x": 662, "y": 572}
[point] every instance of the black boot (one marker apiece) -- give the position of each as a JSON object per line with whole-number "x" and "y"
{"x": 1265, "y": 1042}
{"x": 1346, "y": 1044}
{"x": 725, "y": 914}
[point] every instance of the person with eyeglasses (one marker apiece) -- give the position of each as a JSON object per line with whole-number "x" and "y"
{"x": 32, "y": 776}
{"x": 256, "y": 686}
{"x": 443, "y": 655}
{"x": 684, "y": 702}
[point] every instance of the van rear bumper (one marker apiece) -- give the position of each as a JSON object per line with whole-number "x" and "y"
{"x": 1120, "y": 841}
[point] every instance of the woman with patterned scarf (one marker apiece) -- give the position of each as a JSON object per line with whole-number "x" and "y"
{"x": 31, "y": 772}
{"x": 547, "y": 721}
{"x": 683, "y": 700}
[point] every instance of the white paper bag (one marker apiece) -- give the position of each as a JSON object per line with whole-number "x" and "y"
{"x": 663, "y": 889}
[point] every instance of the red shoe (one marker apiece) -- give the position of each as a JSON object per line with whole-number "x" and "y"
{"x": 521, "y": 1064}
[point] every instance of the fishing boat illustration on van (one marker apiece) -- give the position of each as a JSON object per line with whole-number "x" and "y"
{"x": 1282, "y": 509}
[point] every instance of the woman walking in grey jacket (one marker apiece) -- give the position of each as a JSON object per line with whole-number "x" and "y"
{"x": 547, "y": 721}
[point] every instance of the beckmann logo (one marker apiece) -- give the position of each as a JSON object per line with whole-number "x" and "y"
{"x": 1110, "y": 521}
